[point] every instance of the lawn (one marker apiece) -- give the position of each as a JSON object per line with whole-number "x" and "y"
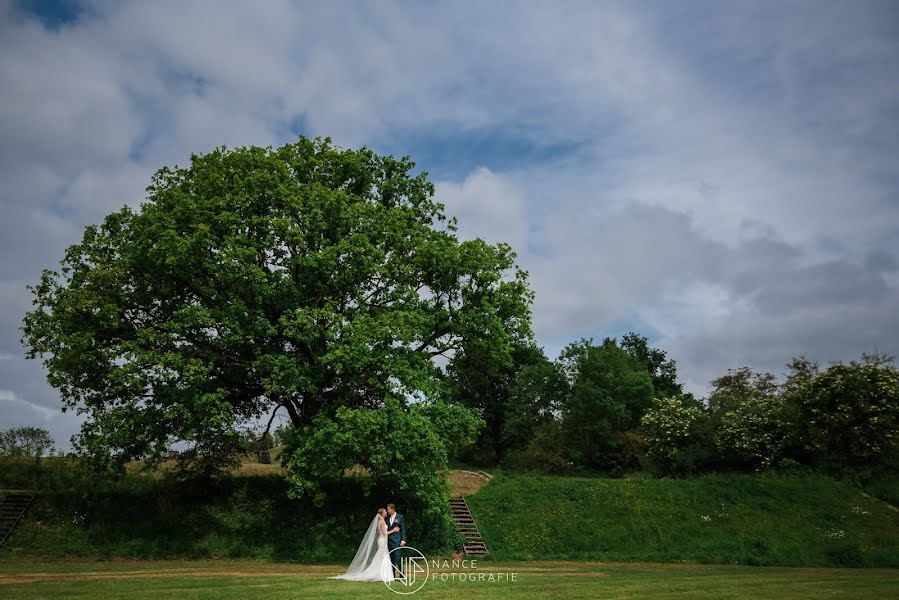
{"x": 265, "y": 580}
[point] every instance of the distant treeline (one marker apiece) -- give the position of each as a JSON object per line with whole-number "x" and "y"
{"x": 617, "y": 407}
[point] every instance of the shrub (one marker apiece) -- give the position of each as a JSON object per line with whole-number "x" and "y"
{"x": 677, "y": 435}
{"x": 754, "y": 433}
{"x": 850, "y": 416}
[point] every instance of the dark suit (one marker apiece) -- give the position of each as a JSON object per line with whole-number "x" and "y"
{"x": 394, "y": 539}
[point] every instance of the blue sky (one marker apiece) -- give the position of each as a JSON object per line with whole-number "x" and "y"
{"x": 719, "y": 176}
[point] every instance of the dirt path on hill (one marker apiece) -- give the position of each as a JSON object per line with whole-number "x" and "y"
{"x": 467, "y": 482}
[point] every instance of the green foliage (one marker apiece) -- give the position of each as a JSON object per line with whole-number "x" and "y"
{"x": 59, "y": 473}
{"x": 843, "y": 418}
{"x": 630, "y": 456}
{"x": 544, "y": 452}
{"x": 755, "y": 432}
{"x": 483, "y": 379}
{"x": 800, "y": 370}
{"x": 25, "y": 441}
{"x": 850, "y": 415}
{"x": 535, "y": 399}
{"x": 281, "y": 433}
{"x": 610, "y": 392}
{"x": 402, "y": 448}
{"x": 662, "y": 369}
{"x": 739, "y": 386}
{"x": 597, "y": 395}
{"x": 255, "y": 442}
{"x": 737, "y": 519}
{"x": 306, "y": 277}
{"x": 78, "y": 515}
{"x": 678, "y": 435}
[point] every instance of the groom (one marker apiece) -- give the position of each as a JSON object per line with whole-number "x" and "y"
{"x": 396, "y": 537}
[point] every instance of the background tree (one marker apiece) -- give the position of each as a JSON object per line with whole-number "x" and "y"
{"x": 610, "y": 392}
{"x": 739, "y": 386}
{"x": 25, "y": 441}
{"x": 258, "y": 442}
{"x": 281, "y": 433}
{"x": 483, "y": 379}
{"x": 661, "y": 369}
{"x": 842, "y": 417}
{"x": 878, "y": 359}
{"x": 800, "y": 370}
{"x": 305, "y": 277}
{"x": 752, "y": 417}
{"x": 532, "y": 431}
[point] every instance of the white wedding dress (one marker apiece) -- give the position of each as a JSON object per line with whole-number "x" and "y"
{"x": 372, "y": 561}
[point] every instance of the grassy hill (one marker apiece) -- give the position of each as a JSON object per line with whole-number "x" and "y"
{"x": 736, "y": 519}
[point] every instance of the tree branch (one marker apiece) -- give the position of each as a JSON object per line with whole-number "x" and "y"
{"x": 271, "y": 419}
{"x": 292, "y": 411}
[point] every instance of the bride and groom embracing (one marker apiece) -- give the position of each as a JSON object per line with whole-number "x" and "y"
{"x": 380, "y": 554}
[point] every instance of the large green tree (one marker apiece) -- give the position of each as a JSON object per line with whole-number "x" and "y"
{"x": 305, "y": 277}
{"x": 611, "y": 390}
{"x": 484, "y": 379}
{"x": 532, "y": 430}
{"x": 537, "y": 396}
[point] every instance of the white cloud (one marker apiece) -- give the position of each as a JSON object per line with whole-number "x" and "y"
{"x": 486, "y": 206}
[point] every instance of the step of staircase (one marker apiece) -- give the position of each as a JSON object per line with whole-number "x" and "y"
{"x": 12, "y": 509}
{"x": 473, "y": 544}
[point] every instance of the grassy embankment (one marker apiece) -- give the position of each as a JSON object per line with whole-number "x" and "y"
{"x": 733, "y": 519}
{"x": 730, "y": 519}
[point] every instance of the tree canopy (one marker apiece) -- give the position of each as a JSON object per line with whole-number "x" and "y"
{"x": 306, "y": 277}
{"x": 25, "y": 441}
{"x": 611, "y": 389}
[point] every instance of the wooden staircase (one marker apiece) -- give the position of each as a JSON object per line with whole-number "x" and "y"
{"x": 12, "y": 508}
{"x": 473, "y": 543}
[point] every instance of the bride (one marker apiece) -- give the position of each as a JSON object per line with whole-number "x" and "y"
{"x": 372, "y": 562}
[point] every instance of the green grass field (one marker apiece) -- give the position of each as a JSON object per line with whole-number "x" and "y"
{"x": 248, "y": 580}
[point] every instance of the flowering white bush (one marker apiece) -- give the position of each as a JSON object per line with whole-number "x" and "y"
{"x": 851, "y": 414}
{"x": 670, "y": 427}
{"x": 754, "y": 431}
